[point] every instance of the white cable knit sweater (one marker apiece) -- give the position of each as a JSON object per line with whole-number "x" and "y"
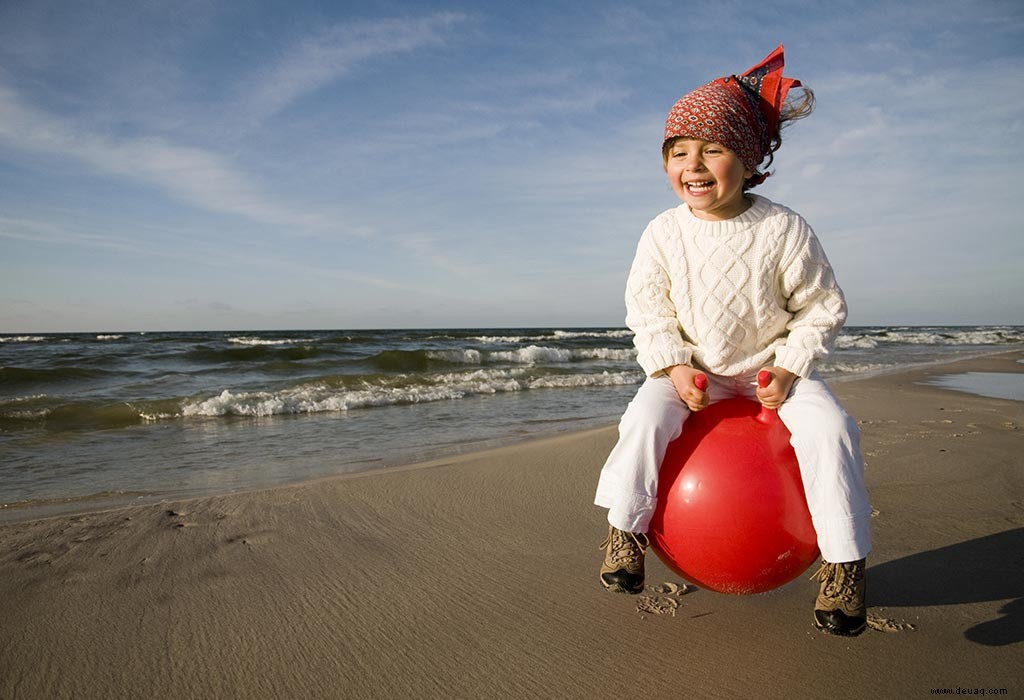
{"x": 732, "y": 296}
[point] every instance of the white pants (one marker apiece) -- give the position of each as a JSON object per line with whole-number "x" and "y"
{"x": 826, "y": 441}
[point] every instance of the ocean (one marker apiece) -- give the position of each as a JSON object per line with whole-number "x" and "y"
{"x": 91, "y": 419}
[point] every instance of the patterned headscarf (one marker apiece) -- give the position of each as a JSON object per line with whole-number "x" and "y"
{"x": 741, "y": 112}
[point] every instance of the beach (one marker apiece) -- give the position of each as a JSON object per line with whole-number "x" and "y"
{"x": 475, "y": 576}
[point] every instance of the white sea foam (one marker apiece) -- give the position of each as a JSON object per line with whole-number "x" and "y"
{"x": 831, "y": 366}
{"x": 855, "y": 341}
{"x": 979, "y": 337}
{"x": 622, "y": 354}
{"x": 532, "y": 354}
{"x": 618, "y": 333}
{"x": 109, "y": 337}
{"x": 483, "y": 376}
{"x": 556, "y": 335}
{"x": 151, "y": 417}
{"x": 570, "y": 381}
{"x": 26, "y": 414}
{"x": 22, "y": 339}
{"x": 943, "y": 336}
{"x": 495, "y": 339}
{"x": 22, "y": 399}
{"x": 14, "y": 408}
{"x": 920, "y": 338}
{"x": 248, "y": 340}
{"x": 469, "y": 357}
{"x": 318, "y": 398}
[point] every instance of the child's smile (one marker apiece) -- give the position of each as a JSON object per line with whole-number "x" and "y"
{"x": 708, "y": 177}
{"x": 700, "y": 187}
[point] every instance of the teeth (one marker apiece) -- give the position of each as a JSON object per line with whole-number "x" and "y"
{"x": 700, "y": 186}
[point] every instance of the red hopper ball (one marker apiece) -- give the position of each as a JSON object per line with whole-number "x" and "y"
{"x": 731, "y": 514}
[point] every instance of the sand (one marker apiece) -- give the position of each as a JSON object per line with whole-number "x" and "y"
{"x": 476, "y": 577}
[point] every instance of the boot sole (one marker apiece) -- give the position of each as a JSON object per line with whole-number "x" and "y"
{"x": 838, "y": 632}
{"x": 619, "y": 588}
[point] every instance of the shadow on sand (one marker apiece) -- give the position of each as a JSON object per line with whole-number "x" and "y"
{"x": 986, "y": 569}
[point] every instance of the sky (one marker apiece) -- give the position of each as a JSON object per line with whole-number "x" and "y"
{"x": 201, "y": 165}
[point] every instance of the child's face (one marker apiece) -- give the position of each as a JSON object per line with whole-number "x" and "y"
{"x": 708, "y": 177}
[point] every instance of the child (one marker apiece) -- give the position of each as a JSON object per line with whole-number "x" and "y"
{"x": 725, "y": 285}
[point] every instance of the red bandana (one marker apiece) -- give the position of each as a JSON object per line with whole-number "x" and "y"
{"x": 741, "y": 112}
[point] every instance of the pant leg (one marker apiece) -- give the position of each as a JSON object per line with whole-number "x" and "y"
{"x": 827, "y": 445}
{"x": 628, "y": 486}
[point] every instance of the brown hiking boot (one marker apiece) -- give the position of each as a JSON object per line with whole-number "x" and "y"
{"x": 840, "y": 607}
{"x": 623, "y": 567}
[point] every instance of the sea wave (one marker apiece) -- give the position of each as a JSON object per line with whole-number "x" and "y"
{"x": 255, "y": 352}
{"x": 84, "y": 415}
{"x": 510, "y": 339}
{"x": 27, "y": 377}
{"x": 22, "y": 339}
{"x": 320, "y": 398}
{"x": 555, "y": 335}
{"x": 831, "y": 367}
{"x": 535, "y": 354}
{"x": 469, "y": 357}
{"x": 846, "y": 342}
{"x": 423, "y": 360}
{"x": 615, "y": 333}
{"x": 532, "y": 354}
{"x": 32, "y": 407}
{"x": 617, "y": 354}
{"x": 958, "y": 337}
{"x": 327, "y": 394}
{"x": 869, "y": 337}
{"x": 573, "y": 381}
{"x": 252, "y": 340}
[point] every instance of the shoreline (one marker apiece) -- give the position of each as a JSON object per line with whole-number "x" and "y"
{"x": 18, "y": 512}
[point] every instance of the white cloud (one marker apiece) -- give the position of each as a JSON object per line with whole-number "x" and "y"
{"x": 331, "y": 53}
{"x": 193, "y": 175}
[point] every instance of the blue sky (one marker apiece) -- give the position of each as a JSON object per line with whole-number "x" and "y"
{"x": 230, "y": 165}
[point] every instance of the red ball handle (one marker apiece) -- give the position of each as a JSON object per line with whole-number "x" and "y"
{"x": 767, "y": 415}
{"x": 701, "y": 381}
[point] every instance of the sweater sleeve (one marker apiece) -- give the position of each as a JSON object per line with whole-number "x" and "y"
{"x": 650, "y": 312}
{"x": 815, "y": 301}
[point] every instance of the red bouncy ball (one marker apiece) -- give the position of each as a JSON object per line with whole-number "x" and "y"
{"x": 731, "y": 513}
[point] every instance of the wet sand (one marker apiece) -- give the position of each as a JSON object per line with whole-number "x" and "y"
{"x": 476, "y": 577}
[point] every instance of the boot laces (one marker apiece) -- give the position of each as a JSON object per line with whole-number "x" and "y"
{"x": 840, "y": 580}
{"x": 626, "y": 547}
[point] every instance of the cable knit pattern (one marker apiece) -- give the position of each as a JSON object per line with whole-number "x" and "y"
{"x": 732, "y": 296}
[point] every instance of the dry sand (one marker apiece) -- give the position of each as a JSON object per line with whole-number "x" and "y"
{"x": 476, "y": 577}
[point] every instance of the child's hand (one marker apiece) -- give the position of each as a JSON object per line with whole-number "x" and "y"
{"x": 775, "y": 392}
{"x": 684, "y": 380}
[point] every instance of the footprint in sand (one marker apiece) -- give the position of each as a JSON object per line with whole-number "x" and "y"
{"x": 252, "y": 539}
{"x": 887, "y": 624}
{"x": 665, "y": 600}
{"x": 176, "y": 517}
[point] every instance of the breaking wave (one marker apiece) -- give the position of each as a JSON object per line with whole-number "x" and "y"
{"x": 323, "y": 398}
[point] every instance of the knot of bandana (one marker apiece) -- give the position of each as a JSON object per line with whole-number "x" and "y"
{"x": 740, "y": 112}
